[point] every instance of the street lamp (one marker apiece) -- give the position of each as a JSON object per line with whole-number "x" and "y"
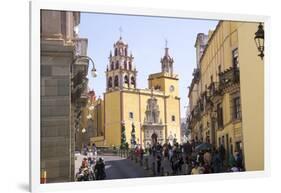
{"x": 89, "y": 116}
{"x": 83, "y": 130}
{"x": 91, "y": 107}
{"x": 259, "y": 39}
{"x": 93, "y": 71}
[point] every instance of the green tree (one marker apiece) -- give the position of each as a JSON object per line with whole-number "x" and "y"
{"x": 133, "y": 135}
{"x": 123, "y": 136}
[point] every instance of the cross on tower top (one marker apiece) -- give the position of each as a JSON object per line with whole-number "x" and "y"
{"x": 166, "y": 43}
{"x": 120, "y": 31}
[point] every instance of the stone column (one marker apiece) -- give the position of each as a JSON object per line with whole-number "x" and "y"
{"x": 51, "y": 24}
{"x": 69, "y": 26}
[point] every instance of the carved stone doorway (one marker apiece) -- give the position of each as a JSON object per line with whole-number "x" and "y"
{"x": 154, "y": 138}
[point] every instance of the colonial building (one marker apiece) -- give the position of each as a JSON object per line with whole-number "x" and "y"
{"x": 226, "y": 92}
{"x": 151, "y": 114}
{"x": 63, "y": 92}
{"x": 85, "y": 130}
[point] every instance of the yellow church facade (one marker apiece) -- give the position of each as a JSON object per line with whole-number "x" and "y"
{"x": 152, "y": 114}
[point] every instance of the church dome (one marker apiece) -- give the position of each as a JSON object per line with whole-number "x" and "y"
{"x": 121, "y": 41}
{"x": 167, "y": 61}
{"x": 167, "y": 57}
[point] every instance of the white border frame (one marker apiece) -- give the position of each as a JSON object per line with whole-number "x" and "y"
{"x": 34, "y": 81}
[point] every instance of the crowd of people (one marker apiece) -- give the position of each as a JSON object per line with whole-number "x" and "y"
{"x": 92, "y": 167}
{"x": 196, "y": 160}
{"x": 183, "y": 159}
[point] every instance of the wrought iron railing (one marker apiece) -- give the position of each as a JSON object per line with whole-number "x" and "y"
{"x": 229, "y": 77}
{"x": 196, "y": 74}
{"x": 214, "y": 89}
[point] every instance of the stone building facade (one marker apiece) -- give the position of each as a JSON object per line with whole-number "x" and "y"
{"x": 60, "y": 45}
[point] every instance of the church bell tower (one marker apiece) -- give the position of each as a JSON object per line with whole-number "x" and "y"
{"x": 167, "y": 62}
{"x": 120, "y": 72}
{"x": 166, "y": 80}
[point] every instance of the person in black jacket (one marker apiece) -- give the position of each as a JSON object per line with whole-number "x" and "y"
{"x": 100, "y": 170}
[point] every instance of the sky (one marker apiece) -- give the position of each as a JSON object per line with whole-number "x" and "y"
{"x": 145, "y": 37}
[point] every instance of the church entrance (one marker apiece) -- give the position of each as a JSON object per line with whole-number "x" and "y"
{"x": 154, "y": 138}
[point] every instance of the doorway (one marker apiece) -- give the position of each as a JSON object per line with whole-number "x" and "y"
{"x": 154, "y": 138}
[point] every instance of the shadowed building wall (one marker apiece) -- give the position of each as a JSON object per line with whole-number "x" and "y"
{"x": 58, "y": 50}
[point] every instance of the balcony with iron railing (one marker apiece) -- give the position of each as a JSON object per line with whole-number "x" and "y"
{"x": 80, "y": 91}
{"x": 229, "y": 77}
{"x": 78, "y": 79}
{"x": 79, "y": 67}
{"x": 83, "y": 100}
{"x": 196, "y": 112}
{"x": 206, "y": 99}
{"x": 81, "y": 61}
{"x": 196, "y": 74}
{"x": 213, "y": 89}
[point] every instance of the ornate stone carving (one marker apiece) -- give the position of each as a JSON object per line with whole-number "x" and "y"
{"x": 152, "y": 111}
{"x": 153, "y": 127}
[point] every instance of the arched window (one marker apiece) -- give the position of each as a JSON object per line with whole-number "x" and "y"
{"x": 126, "y": 79}
{"x": 116, "y": 81}
{"x": 117, "y": 65}
{"x": 112, "y": 66}
{"x": 125, "y": 65}
{"x": 126, "y": 53}
{"x": 109, "y": 82}
{"x": 133, "y": 82}
{"x": 130, "y": 65}
{"x": 157, "y": 87}
{"x": 115, "y": 52}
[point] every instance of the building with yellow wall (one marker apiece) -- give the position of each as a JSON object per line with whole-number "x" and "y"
{"x": 89, "y": 121}
{"x": 154, "y": 112}
{"x": 226, "y": 95}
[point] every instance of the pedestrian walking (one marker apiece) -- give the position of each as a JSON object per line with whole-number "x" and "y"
{"x": 216, "y": 162}
{"x": 239, "y": 159}
{"x": 158, "y": 149}
{"x": 149, "y": 148}
{"x": 100, "y": 169}
{"x": 170, "y": 153}
{"x": 207, "y": 168}
{"x": 94, "y": 150}
{"x": 165, "y": 150}
{"x": 222, "y": 153}
{"x": 85, "y": 163}
{"x": 207, "y": 157}
{"x": 200, "y": 157}
{"x": 180, "y": 164}
{"x": 158, "y": 164}
{"x": 195, "y": 169}
{"x": 154, "y": 151}
{"x": 201, "y": 169}
{"x": 231, "y": 160}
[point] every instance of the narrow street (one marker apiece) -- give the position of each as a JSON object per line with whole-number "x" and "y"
{"x": 117, "y": 167}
